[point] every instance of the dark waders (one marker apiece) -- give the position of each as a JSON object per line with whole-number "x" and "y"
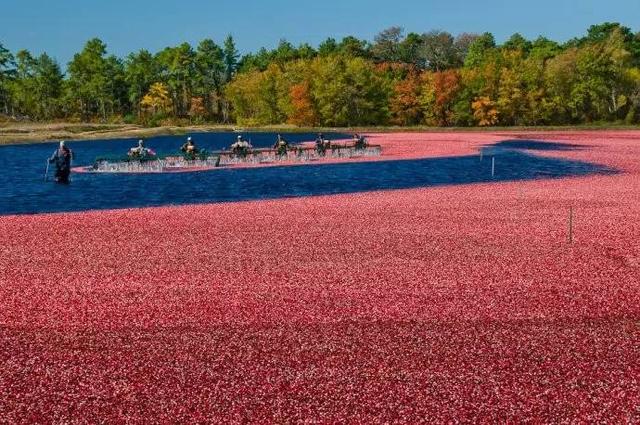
{"x": 62, "y": 175}
{"x": 62, "y": 160}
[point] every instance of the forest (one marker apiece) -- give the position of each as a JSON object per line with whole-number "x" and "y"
{"x": 398, "y": 78}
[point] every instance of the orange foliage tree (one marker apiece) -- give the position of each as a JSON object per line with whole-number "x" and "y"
{"x": 303, "y": 112}
{"x": 404, "y": 103}
{"x": 197, "y": 109}
{"x": 485, "y": 111}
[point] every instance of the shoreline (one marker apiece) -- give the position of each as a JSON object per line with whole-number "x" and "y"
{"x": 35, "y": 133}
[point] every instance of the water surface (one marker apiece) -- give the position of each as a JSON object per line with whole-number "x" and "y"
{"x": 23, "y": 190}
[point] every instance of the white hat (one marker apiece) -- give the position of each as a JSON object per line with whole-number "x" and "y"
{"x": 188, "y": 138}
{"x": 239, "y": 137}
{"x": 61, "y": 142}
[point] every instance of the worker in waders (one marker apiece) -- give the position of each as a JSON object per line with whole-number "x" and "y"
{"x": 62, "y": 159}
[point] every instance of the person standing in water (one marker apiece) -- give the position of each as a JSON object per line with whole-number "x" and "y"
{"x": 62, "y": 159}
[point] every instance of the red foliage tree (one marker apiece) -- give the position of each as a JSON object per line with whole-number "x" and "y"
{"x": 303, "y": 112}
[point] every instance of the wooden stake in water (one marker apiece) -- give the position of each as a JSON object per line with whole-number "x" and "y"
{"x": 571, "y": 225}
{"x": 493, "y": 166}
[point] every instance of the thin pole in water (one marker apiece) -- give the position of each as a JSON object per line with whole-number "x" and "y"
{"x": 571, "y": 225}
{"x": 493, "y": 166}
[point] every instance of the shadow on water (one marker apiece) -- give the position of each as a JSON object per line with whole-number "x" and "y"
{"x": 536, "y": 145}
{"x": 106, "y": 191}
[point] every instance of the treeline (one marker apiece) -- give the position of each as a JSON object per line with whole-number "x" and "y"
{"x": 176, "y": 83}
{"x": 415, "y": 79}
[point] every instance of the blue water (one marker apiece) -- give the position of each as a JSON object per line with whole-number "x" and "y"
{"x": 23, "y": 190}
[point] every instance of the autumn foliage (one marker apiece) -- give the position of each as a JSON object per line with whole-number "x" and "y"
{"x": 485, "y": 111}
{"x": 404, "y": 104}
{"x": 197, "y": 108}
{"x": 519, "y": 83}
{"x": 303, "y": 112}
{"x": 439, "y": 96}
{"x": 157, "y": 100}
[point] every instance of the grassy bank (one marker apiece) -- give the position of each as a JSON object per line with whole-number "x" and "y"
{"x": 18, "y": 133}
{"x": 47, "y": 132}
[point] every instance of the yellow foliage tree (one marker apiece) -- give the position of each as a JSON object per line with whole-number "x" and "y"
{"x": 633, "y": 79}
{"x": 255, "y": 96}
{"x": 485, "y": 111}
{"x": 157, "y": 99}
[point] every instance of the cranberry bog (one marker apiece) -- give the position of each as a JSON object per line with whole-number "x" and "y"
{"x": 505, "y": 295}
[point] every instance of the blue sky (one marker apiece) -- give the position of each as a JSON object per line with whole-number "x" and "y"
{"x": 62, "y": 27}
